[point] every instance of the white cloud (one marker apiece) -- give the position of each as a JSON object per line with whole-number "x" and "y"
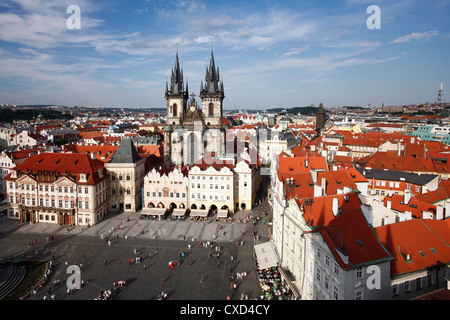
{"x": 416, "y": 36}
{"x": 296, "y": 51}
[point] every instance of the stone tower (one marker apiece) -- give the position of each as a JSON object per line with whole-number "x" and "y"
{"x": 212, "y": 95}
{"x": 320, "y": 119}
{"x": 176, "y": 95}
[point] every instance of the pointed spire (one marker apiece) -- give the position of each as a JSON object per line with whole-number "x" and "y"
{"x": 176, "y": 86}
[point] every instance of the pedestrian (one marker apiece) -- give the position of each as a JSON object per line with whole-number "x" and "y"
{"x": 109, "y": 243}
{"x": 106, "y": 261}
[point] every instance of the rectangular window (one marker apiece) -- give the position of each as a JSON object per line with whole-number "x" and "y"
{"x": 335, "y": 293}
{"x": 358, "y": 273}
{"x": 336, "y": 269}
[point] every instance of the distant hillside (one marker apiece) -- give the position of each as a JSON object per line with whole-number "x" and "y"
{"x": 9, "y": 115}
{"x": 302, "y": 110}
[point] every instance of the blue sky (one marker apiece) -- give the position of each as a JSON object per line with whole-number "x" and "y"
{"x": 270, "y": 53}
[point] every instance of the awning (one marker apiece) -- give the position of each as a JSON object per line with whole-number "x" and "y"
{"x": 153, "y": 211}
{"x": 179, "y": 212}
{"x": 199, "y": 213}
{"x": 222, "y": 214}
{"x": 266, "y": 255}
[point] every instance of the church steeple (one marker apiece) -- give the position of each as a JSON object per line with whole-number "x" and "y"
{"x": 176, "y": 82}
{"x": 212, "y": 94}
{"x": 176, "y": 94}
{"x": 212, "y": 77}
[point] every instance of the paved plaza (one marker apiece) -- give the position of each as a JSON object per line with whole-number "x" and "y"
{"x": 104, "y": 252}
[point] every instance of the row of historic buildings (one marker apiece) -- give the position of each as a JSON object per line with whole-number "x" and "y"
{"x": 80, "y": 184}
{"x": 337, "y": 239}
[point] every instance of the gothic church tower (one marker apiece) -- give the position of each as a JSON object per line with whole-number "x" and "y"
{"x": 212, "y": 95}
{"x": 176, "y": 95}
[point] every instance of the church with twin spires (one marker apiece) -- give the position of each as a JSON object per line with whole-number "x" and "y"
{"x": 193, "y": 130}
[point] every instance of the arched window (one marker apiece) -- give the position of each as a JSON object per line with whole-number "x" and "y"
{"x": 128, "y": 177}
{"x": 175, "y": 110}
{"x": 128, "y": 191}
{"x": 211, "y": 109}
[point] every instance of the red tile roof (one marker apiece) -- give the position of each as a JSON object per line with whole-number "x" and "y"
{"x": 348, "y": 233}
{"x": 102, "y": 152}
{"x": 415, "y": 206}
{"x": 426, "y": 241}
{"x": 61, "y": 164}
{"x": 391, "y": 161}
{"x": 301, "y": 164}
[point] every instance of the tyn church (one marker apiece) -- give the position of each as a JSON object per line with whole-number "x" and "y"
{"x": 193, "y": 130}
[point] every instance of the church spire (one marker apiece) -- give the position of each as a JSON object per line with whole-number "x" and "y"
{"x": 212, "y": 76}
{"x": 176, "y": 82}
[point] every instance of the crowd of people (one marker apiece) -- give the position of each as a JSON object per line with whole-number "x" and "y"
{"x": 273, "y": 288}
{"x": 104, "y": 295}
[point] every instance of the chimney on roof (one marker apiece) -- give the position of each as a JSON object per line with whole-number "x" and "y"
{"x": 439, "y": 212}
{"x": 427, "y": 215}
{"x": 335, "y": 206}
{"x": 314, "y": 175}
{"x": 408, "y": 215}
{"x": 407, "y": 196}
{"x": 324, "y": 186}
{"x": 93, "y": 156}
{"x": 388, "y": 204}
{"x": 317, "y": 190}
{"x": 447, "y": 208}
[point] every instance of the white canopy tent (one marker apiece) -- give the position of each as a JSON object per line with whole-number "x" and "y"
{"x": 178, "y": 212}
{"x": 266, "y": 255}
{"x": 199, "y": 213}
{"x": 222, "y": 214}
{"x": 153, "y": 211}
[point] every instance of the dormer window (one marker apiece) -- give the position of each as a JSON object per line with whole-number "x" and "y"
{"x": 83, "y": 177}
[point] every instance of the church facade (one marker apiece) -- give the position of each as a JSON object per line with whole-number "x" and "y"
{"x": 193, "y": 130}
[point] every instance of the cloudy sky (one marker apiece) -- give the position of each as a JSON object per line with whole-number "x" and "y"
{"x": 278, "y": 53}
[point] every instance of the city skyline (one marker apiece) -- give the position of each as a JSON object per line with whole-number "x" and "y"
{"x": 270, "y": 54}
